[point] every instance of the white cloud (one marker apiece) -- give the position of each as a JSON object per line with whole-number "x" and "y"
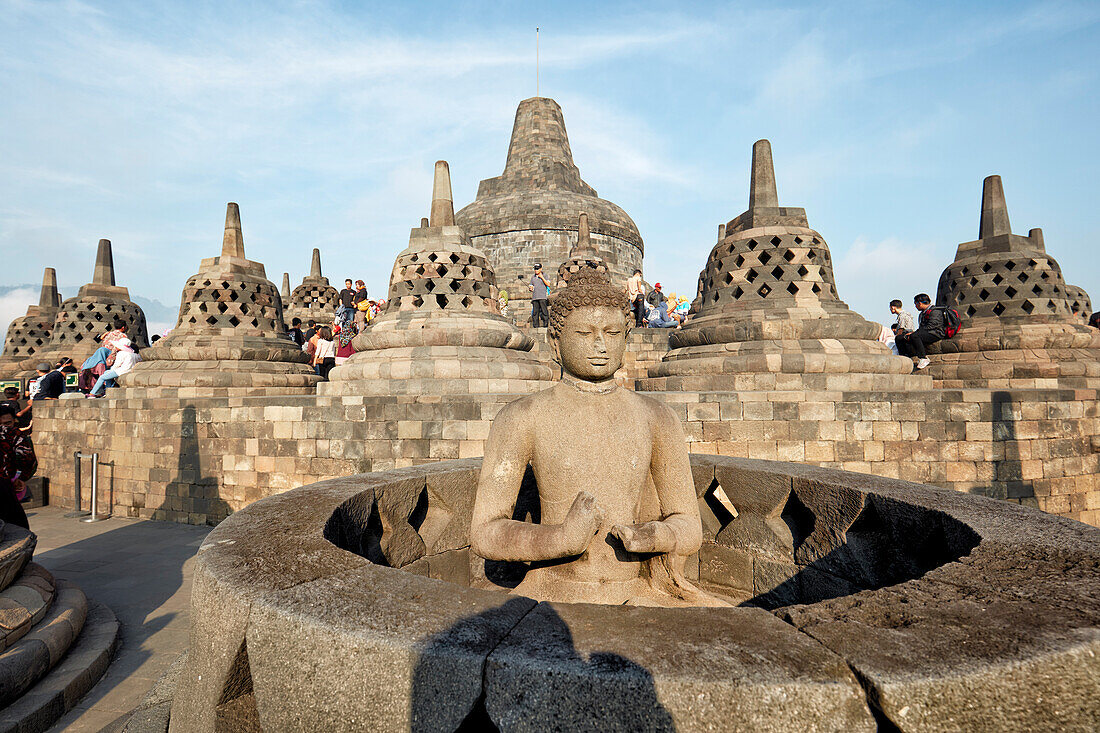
{"x": 13, "y": 304}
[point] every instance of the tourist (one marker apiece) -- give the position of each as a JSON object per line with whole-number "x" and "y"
{"x": 347, "y": 298}
{"x": 324, "y": 354}
{"x": 1094, "y": 320}
{"x": 656, "y": 298}
{"x": 502, "y": 302}
{"x": 111, "y": 338}
{"x": 22, "y": 412}
{"x": 311, "y": 331}
{"x": 657, "y": 317}
{"x": 540, "y": 292}
{"x": 125, "y": 358}
{"x": 50, "y": 383}
{"x": 155, "y": 338}
{"x": 344, "y": 349}
{"x": 635, "y": 290}
{"x": 362, "y": 305}
{"x": 17, "y": 464}
{"x": 65, "y": 366}
{"x": 904, "y": 321}
{"x": 295, "y": 331}
{"x": 932, "y": 328}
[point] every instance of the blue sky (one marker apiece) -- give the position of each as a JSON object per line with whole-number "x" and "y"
{"x": 139, "y": 121}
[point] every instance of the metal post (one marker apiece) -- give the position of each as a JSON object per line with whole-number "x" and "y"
{"x": 94, "y": 515}
{"x": 77, "y": 511}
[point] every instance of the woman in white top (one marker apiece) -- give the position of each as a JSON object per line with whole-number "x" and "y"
{"x": 324, "y": 356}
{"x": 125, "y": 358}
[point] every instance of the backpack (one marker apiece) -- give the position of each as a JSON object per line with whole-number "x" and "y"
{"x": 951, "y": 322}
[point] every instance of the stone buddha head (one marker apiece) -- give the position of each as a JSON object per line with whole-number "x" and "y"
{"x": 588, "y": 327}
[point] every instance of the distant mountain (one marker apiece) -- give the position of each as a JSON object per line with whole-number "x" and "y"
{"x": 14, "y": 300}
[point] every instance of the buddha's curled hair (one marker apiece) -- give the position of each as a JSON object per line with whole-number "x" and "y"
{"x": 586, "y": 287}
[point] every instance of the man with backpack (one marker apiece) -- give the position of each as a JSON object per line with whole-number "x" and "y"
{"x": 935, "y": 324}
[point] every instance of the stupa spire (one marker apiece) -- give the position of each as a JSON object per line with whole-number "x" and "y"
{"x": 721, "y": 232}
{"x": 315, "y": 265}
{"x": 994, "y": 209}
{"x": 233, "y": 240}
{"x": 762, "y": 191}
{"x": 285, "y": 292}
{"x": 49, "y": 297}
{"x": 104, "y": 273}
{"x": 584, "y": 248}
{"x": 443, "y": 208}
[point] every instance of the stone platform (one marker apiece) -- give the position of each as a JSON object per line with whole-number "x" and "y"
{"x": 866, "y": 603}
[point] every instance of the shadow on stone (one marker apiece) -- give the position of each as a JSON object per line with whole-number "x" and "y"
{"x": 189, "y": 483}
{"x": 536, "y": 679}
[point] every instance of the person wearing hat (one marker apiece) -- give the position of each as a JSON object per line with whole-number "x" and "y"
{"x": 17, "y": 464}
{"x": 50, "y": 383}
{"x": 540, "y": 294}
{"x": 656, "y": 298}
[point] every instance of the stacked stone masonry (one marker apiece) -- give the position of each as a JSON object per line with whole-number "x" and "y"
{"x": 202, "y": 459}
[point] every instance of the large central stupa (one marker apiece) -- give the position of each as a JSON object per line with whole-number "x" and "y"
{"x": 529, "y": 213}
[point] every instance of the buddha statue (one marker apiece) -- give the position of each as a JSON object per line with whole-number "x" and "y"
{"x": 618, "y": 512}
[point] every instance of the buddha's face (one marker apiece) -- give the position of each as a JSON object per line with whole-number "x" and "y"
{"x": 592, "y": 342}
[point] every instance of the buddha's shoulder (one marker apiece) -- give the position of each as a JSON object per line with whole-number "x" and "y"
{"x": 655, "y": 407}
{"x": 524, "y": 406}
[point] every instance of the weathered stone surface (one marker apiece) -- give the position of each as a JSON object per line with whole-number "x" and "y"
{"x": 79, "y": 321}
{"x": 442, "y": 330}
{"x": 584, "y": 667}
{"x": 768, "y": 304}
{"x": 230, "y": 334}
{"x": 421, "y": 658}
{"x": 529, "y": 214}
{"x": 31, "y": 333}
{"x": 1018, "y": 327}
{"x": 974, "y": 604}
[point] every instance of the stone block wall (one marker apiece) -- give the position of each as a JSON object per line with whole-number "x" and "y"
{"x": 199, "y": 460}
{"x": 1039, "y": 448}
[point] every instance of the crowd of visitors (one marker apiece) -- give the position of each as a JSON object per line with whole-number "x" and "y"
{"x": 329, "y": 344}
{"x": 654, "y": 309}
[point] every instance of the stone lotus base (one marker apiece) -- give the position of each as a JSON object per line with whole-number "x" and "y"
{"x": 866, "y": 602}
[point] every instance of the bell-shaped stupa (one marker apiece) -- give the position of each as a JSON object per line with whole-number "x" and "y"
{"x": 314, "y": 299}
{"x": 30, "y": 334}
{"x": 583, "y": 256}
{"x": 1018, "y": 327}
{"x": 528, "y": 214}
{"x": 441, "y": 332}
{"x": 80, "y": 321}
{"x": 768, "y": 315}
{"x": 230, "y": 338}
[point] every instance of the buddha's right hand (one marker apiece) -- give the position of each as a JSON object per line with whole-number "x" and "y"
{"x": 581, "y": 524}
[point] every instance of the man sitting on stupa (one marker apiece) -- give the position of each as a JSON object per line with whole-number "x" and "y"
{"x": 619, "y": 514}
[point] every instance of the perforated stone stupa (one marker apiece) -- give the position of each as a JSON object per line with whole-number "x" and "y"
{"x": 81, "y": 320}
{"x": 583, "y": 256}
{"x": 1018, "y": 325}
{"x": 30, "y": 333}
{"x": 769, "y": 315}
{"x": 529, "y": 213}
{"x": 314, "y": 298}
{"x": 230, "y": 338}
{"x": 442, "y": 332}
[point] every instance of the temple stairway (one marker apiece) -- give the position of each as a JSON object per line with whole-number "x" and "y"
{"x": 55, "y": 643}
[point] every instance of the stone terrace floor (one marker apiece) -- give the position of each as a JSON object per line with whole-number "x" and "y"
{"x": 142, "y": 571}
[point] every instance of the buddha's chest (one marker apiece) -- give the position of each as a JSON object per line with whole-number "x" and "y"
{"x": 602, "y": 451}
